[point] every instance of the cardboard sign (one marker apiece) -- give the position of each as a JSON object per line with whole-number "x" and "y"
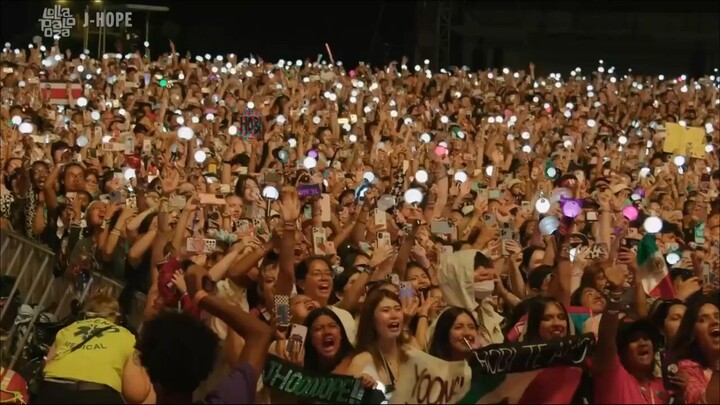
{"x": 57, "y": 91}
{"x": 250, "y": 123}
{"x": 429, "y": 380}
{"x": 679, "y": 139}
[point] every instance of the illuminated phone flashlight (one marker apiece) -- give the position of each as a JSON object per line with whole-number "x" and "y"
{"x": 367, "y": 109}
{"x": 489, "y": 170}
{"x": 709, "y": 128}
{"x": 82, "y": 102}
{"x": 526, "y": 148}
{"x": 622, "y": 140}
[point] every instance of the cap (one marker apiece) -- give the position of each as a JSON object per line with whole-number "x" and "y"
{"x": 514, "y": 182}
{"x": 619, "y": 187}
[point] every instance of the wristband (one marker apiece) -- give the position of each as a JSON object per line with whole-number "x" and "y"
{"x": 199, "y": 296}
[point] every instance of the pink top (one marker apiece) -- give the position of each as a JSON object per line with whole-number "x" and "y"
{"x": 697, "y": 383}
{"x": 617, "y": 386}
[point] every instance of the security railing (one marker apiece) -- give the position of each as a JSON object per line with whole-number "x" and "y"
{"x": 31, "y": 265}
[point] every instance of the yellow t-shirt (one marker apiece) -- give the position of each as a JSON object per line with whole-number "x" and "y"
{"x": 101, "y": 360}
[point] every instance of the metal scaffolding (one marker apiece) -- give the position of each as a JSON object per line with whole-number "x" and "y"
{"x": 442, "y": 37}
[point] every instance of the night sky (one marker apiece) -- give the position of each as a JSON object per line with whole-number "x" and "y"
{"x": 275, "y": 29}
{"x": 370, "y": 31}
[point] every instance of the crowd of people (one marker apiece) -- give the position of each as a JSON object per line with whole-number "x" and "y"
{"x": 339, "y": 220}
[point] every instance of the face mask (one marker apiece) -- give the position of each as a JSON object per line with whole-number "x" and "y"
{"x": 483, "y": 289}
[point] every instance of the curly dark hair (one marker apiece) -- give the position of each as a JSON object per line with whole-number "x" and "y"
{"x": 178, "y": 352}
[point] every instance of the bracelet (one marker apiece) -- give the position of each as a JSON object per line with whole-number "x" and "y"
{"x": 423, "y": 316}
{"x": 199, "y": 296}
{"x": 116, "y": 233}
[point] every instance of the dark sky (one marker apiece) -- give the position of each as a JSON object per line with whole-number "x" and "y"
{"x": 276, "y": 29}
{"x": 377, "y": 31}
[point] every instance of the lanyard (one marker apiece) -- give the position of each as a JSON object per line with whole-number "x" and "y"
{"x": 652, "y": 396}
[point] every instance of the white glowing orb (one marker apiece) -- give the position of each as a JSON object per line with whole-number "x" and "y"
{"x": 421, "y": 176}
{"x": 542, "y": 205}
{"x": 425, "y": 137}
{"x": 652, "y": 224}
{"x": 413, "y": 196}
{"x": 82, "y": 102}
{"x": 489, "y": 170}
{"x": 25, "y": 128}
{"x": 232, "y": 130}
{"x": 679, "y": 160}
{"x": 369, "y": 176}
{"x": 352, "y": 138}
{"x": 460, "y": 176}
{"x": 309, "y": 162}
{"x": 186, "y": 133}
{"x": 82, "y": 141}
{"x": 16, "y": 120}
{"x": 526, "y": 148}
{"x": 622, "y": 140}
{"x": 129, "y": 173}
{"x": 270, "y": 193}
{"x": 644, "y": 172}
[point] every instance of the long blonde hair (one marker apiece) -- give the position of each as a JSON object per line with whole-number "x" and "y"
{"x": 104, "y": 304}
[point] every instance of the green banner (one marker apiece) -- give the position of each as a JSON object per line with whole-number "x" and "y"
{"x": 282, "y": 376}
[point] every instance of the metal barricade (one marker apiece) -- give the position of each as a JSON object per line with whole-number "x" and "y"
{"x": 32, "y": 264}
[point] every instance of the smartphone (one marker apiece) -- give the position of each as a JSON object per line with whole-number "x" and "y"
{"x": 490, "y": 219}
{"x": 177, "y": 202}
{"x": 494, "y": 194}
{"x": 195, "y": 245}
{"x": 383, "y": 239}
{"x": 441, "y": 227}
{"x": 243, "y": 226}
{"x": 380, "y": 219}
{"x": 210, "y": 199}
{"x": 591, "y": 216}
{"x": 325, "y": 210}
{"x": 629, "y": 243}
{"x": 598, "y": 251}
{"x": 309, "y": 190}
{"x": 319, "y": 238}
{"x": 282, "y": 310}
{"x": 92, "y": 153}
{"x": 668, "y": 368}
{"x": 406, "y": 290}
{"x": 393, "y": 278}
{"x": 704, "y": 184}
{"x": 273, "y": 177}
{"x": 296, "y": 339}
{"x": 131, "y": 201}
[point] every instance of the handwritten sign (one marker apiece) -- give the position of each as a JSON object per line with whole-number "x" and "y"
{"x": 250, "y": 123}
{"x": 515, "y": 358}
{"x": 280, "y": 375}
{"x": 429, "y": 380}
{"x": 680, "y": 139}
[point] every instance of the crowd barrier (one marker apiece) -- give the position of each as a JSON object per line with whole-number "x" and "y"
{"x": 32, "y": 264}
